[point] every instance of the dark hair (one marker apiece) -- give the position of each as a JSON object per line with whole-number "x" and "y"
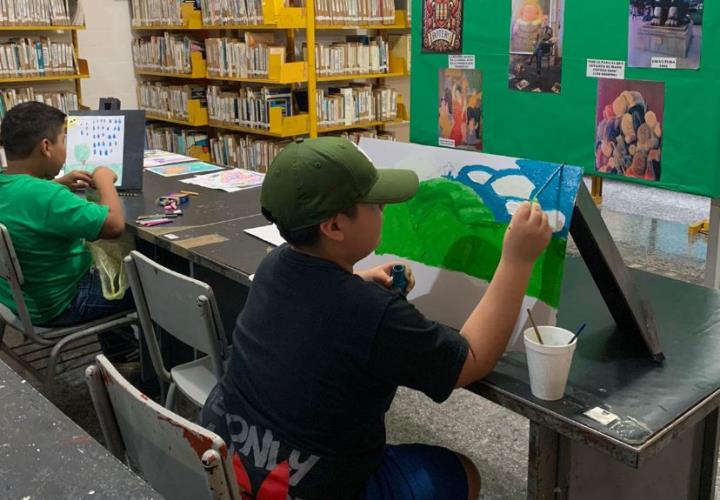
{"x": 25, "y": 125}
{"x": 306, "y": 236}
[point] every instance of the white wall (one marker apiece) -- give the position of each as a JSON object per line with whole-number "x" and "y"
{"x": 105, "y": 43}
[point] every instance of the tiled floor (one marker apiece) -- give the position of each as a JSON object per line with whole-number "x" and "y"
{"x": 650, "y": 228}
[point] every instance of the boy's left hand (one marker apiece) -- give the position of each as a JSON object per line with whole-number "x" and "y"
{"x": 77, "y": 179}
{"x": 382, "y": 275}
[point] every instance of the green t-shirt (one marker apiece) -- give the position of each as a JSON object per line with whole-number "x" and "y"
{"x": 47, "y": 225}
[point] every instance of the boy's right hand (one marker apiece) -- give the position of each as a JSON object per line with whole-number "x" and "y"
{"x": 527, "y": 235}
{"x": 104, "y": 174}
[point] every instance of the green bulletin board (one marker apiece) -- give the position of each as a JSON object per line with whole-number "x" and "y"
{"x": 561, "y": 128}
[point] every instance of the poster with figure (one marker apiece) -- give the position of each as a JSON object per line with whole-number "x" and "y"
{"x": 460, "y": 109}
{"x": 452, "y": 231}
{"x": 94, "y": 141}
{"x": 536, "y": 45}
{"x": 442, "y": 27}
{"x": 665, "y": 34}
{"x": 629, "y": 128}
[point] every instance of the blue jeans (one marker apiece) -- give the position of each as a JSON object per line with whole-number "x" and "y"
{"x": 417, "y": 472}
{"x": 88, "y": 305}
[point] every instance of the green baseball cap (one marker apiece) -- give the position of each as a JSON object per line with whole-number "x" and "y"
{"x": 311, "y": 180}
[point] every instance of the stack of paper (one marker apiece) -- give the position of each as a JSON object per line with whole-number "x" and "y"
{"x": 229, "y": 181}
{"x": 158, "y": 157}
{"x": 195, "y": 167}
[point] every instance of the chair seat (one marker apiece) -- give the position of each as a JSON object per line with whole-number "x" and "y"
{"x": 195, "y": 379}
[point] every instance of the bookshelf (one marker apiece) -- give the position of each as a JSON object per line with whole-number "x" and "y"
{"x": 41, "y": 59}
{"x": 296, "y": 70}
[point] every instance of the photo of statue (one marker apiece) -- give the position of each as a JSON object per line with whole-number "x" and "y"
{"x": 665, "y": 34}
{"x": 536, "y": 46}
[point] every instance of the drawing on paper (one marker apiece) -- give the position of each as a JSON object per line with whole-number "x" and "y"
{"x": 94, "y": 141}
{"x": 453, "y": 229}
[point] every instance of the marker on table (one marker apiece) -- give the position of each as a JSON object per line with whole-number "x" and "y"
{"x": 399, "y": 279}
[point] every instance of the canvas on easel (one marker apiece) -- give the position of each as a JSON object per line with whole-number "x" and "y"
{"x": 452, "y": 231}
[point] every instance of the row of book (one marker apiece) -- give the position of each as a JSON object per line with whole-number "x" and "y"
{"x": 65, "y": 101}
{"x": 24, "y": 57}
{"x": 167, "y": 53}
{"x": 175, "y": 139}
{"x": 150, "y": 12}
{"x": 356, "y": 135}
{"x": 169, "y": 101}
{"x": 41, "y": 12}
{"x": 225, "y": 12}
{"x": 247, "y": 58}
{"x": 244, "y": 151}
{"x": 247, "y": 107}
{"x": 351, "y": 12}
{"x": 358, "y": 55}
{"x": 355, "y": 104}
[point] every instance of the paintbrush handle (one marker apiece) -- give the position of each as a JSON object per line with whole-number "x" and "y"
{"x": 537, "y": 331}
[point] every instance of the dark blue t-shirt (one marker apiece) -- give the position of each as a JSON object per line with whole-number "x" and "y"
{"x": 317, "y": 356}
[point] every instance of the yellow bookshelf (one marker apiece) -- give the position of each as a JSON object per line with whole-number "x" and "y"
{"x": 398, "y": 69}
{"x": 280, "y": 126}
{"x": 402, "y": 119}
{"x": 279, "y": 73}
{"x": 191, "y": 20}
{"x": 33, "y": 27}
{"x": 197, "y": 115}
{"x": 197, "y": 65}
{"x": 275, "y": 16}
{"x": 401, "y": 23}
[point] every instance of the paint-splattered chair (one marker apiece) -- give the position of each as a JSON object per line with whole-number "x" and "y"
{"x": 185, "y": 308}
{"x": 178, "y": 458}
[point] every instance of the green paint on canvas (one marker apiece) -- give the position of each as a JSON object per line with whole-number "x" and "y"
{"x": 446, "y": 225}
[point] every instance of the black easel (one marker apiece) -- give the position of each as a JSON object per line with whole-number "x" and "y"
{"x": 610, "y": 273}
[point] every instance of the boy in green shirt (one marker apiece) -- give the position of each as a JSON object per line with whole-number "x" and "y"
{"x": 49, "y": 225}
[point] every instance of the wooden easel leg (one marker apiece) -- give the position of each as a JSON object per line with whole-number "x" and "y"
{"x": 596, "y": 190}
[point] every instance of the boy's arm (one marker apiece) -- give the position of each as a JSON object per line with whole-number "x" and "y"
{"x": 114, "y": 225}
{"x": 491, "y": 323}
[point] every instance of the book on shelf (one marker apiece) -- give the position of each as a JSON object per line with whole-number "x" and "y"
{"x": 355, "y": 104}
{"x": 243, "y": 151}
{"x": 28, "y": 57}
{"x": 175, "y": 139}
{"x": 356, "y": 55}
{"x": 356, "y": 135}
{"x": 248, "y": 107}
{"x": 41, "y": 12}
{"x": 65, "y": 101}
{"x": 349, "y": 12}
{"x": 166, "y": 53}
{"x": 169, "y": 101}
{"x": 225, "y": 12}
{"x": 151, "y": 12}
{"x": 247, "y": 58}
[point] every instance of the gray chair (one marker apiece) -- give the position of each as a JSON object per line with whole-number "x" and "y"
{"x": 186, "y": 309}
{"x": 33, "y": 350}
{"x": 178, "y": 458}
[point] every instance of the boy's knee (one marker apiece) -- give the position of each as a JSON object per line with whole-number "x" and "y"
{"x": 473, "y": 476}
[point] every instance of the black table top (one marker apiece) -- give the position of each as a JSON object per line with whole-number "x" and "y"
{"x": 611, "y": 369}
{"x": 43, "y": 454}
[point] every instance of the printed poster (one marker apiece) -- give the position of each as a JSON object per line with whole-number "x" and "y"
{"x": 460, "y": 109}
{"x": 442, "y": 27}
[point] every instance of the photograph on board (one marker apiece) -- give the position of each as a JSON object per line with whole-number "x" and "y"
{"x": 536, "y": 48}
{"x": 460, "y": 109}
{"x": 665, "y": 33}
{"x": 442, "y": 26}
{"x": 628, "y": 135}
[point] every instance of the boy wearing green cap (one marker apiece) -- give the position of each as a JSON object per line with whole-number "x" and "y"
{"x": 319, "y": 350}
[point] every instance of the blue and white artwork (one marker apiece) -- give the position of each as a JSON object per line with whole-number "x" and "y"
{"x": 94, "y": 141}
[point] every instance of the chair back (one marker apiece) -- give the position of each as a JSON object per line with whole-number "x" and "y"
{"x": 182, "y": 306}
{"x": 11, "y": 272}
{"x": 178, "y": 458}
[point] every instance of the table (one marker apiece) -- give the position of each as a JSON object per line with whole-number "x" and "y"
{"x": 664, "y": 443}
{"x": 43, "y": 454}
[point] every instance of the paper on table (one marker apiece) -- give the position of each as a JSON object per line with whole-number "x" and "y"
{"x": 195, "y": 167}
{"x": 269, "y": 234}
{"x": 158, "y": 157}
{"x": 230, "y": 181}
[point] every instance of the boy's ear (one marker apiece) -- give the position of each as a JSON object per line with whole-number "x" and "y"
{"x": 332, "y": 230}
{"x": 44, "y": 147}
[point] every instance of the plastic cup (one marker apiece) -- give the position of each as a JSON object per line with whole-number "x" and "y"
{"x": 549, "y": 363}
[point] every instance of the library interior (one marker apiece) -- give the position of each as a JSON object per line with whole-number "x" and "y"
{"x": 359, "y": 249}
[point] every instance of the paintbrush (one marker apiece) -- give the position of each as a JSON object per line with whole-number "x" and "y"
{"x": 537, "y": 332}
{"x": 577, "y": 332}
{"x": 547, "y": 182}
